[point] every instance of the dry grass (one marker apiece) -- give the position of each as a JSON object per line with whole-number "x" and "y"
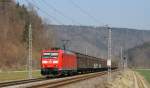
{"x": 145, "y": 73}
{"x": 17, "y": 75}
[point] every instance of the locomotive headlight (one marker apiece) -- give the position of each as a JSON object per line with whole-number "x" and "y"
{"x": 44, "y": 62}
{"x": 55, "y": 62}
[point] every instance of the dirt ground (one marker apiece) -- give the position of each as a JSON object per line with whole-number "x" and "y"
{"x": 122, "y": 79}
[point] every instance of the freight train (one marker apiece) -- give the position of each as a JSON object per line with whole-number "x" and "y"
{"x": 62, "y": 62}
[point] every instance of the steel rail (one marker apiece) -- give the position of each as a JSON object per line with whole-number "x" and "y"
{"x": 17, "y": 82}
{"x": 63, "y": 82}
{"x": 52, "y": 83}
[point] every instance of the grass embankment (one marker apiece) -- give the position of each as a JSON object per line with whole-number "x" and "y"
{"x": 145, "y": 73}
{"x": 17, "y": 75}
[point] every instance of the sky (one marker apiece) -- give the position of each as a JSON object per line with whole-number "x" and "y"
{"x": 115, "y": 13}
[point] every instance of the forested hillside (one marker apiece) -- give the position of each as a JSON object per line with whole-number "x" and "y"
{"x": 98, "y": 37}
{"x": 95, "y": 39}
{"x": 139, "y": 56}
{"x": 14, "y": 25}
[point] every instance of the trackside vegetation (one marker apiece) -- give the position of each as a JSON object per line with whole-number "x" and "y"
{"x": 17, "y": 75}
{"x": 145, "y": 73}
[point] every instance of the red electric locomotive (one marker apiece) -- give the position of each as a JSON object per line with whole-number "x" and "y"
{"x": 58, "y": 62}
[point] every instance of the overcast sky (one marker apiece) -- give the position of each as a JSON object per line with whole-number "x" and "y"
{"x": 116, "y": 13}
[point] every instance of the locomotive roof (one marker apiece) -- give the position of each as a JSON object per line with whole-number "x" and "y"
{"x": 70, "y": 52}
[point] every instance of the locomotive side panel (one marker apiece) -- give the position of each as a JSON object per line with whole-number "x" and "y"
{"x": 69, "y": 62}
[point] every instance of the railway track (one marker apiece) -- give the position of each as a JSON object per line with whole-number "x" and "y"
{"x": 66, "y": 81}
{"x": 11, "y": 83}
{"x": 51, "y": 83}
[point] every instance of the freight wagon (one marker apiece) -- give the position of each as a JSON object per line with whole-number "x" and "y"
{"x": 63, "y": 62}
{"x": 87, "y": 63}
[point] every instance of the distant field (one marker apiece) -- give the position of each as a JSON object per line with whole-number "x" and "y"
{"x": 17, "y": 75}
{"x": 145, "y": 73}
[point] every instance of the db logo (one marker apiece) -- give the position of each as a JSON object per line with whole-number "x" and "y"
{"x": 50, "y": 61}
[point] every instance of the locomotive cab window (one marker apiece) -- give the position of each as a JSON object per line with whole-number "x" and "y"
{"x": 50, "y": 55}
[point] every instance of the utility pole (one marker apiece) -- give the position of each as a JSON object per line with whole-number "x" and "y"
{"x": 121, "y": 58}
{"x": 85, "y": 51}
{"x": 124, "y": 63}
{"x": 30, "y": 53}
{"x": 109, "y": 54}
{"x": 65, "y": 42}
{"x": 127, "y": 54}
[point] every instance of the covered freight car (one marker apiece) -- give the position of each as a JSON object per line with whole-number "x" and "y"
{"x": 89, "y": 63}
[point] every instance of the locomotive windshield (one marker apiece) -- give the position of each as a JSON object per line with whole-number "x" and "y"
{"x": 50, "y": 55}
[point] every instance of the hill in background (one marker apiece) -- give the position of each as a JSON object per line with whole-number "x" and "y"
{"x": 95, "y": 39}
{"x": 140, "y": 55}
